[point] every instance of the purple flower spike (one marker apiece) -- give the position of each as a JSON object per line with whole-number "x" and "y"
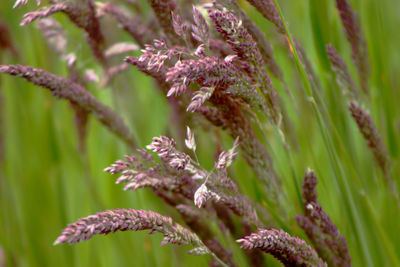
{"x": 320, "y": 229}
{"x": 128, "y": 219}
{"x": 372, "y": 136}
{"x": 355, "y": 36}
{"x": 291, "y": 251}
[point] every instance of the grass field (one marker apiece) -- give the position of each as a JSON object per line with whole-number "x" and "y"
{"x": 47, "y": 182}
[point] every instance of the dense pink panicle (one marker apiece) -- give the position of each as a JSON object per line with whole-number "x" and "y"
{"x": 127, "y": 219}
{"x": 343, "y": 76}
{"x": 372, "y": 136}
{"x": 233, "y": 31}
{"x": 291, "y": 251}
{"x": 242, "y": 43}
{"x": 355, "y": 36}
{"x": 268, "y": 9}
{"x": 208, "y": 71}
{"x": 320, "y": 229}
{"x": 75, "y": 93}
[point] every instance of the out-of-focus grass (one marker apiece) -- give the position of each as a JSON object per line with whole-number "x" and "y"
{"x": 47, "y": 183}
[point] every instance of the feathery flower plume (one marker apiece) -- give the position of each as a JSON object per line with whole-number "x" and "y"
{"x": 75, "y": 93}
{"x": 343, "y": 76}
{"x": 355, "y": 36}
{"x": 372, "y": 136}
{"x": 291, "y": 251}
{"x": 134, "y": 220}
{"x": 320, "y": 229}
